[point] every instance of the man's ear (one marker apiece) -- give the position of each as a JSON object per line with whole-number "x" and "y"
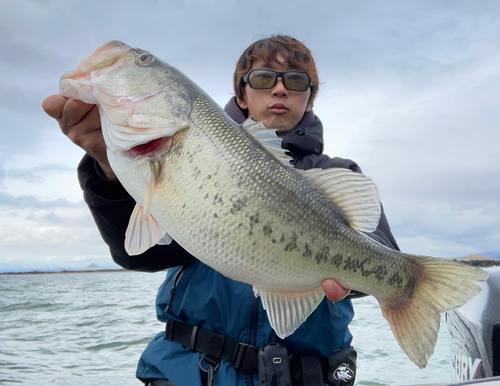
{"x": 309, "y": 106}
{"x": 242, "y": 103}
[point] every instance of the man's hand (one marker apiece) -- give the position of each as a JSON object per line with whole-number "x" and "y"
{"x": 333, "y": 290}
{"x": 80, "y": 122}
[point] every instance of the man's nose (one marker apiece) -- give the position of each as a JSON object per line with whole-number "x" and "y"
{"x": 279, "y": 88}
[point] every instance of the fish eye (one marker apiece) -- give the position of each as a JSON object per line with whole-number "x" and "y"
{"x": 145, "y": 58}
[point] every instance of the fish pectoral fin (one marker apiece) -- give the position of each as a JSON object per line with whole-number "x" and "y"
{"x": 443, "y": 286}
{"x": 268, "y": 139}
{"x": 287, "y": 311}
{"x": 353, "y": 193}
{"x": 142, "y": 234}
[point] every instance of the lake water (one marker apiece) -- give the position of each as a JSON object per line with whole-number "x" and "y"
{"x": 90, "y": 329}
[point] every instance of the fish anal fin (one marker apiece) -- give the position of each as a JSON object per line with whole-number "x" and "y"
{"x": 142, "y": 234}
{"x": 353, "y": 193}
{"x": 287, "y": 311}
{"x": 442, "y": 286}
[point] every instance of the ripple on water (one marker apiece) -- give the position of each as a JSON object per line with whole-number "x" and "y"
{"x": 83, "y": 329}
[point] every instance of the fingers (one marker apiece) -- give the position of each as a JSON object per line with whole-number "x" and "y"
{"x": 54, "y": 105}
{"x": 333, "y": 290}
{"x": 78, "y": 122}
{"x": 71, "y": 113}
{"x": 74, "y": 112}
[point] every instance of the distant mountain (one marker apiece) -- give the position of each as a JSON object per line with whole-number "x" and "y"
{"x": 93, "y": 267}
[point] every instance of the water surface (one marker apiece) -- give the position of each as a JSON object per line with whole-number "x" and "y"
{"x": 90, "y": 329}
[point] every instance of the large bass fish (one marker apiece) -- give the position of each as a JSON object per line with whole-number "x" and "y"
{"x": 228, "y": 195}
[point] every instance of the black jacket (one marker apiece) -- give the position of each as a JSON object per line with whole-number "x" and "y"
{"x": 111, "y": 206}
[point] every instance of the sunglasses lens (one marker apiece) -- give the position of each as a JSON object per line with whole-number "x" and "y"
{"x": 266, "y": 79}
{"x": 296, "y": 81}
{"x": 262, "y": 79}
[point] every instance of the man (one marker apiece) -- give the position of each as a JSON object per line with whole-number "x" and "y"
{"x": 215, "y": 325}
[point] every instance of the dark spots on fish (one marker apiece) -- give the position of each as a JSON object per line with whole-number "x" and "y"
{"x": 196, "y": 172}
{"x": 378, "y": 271}
{"x": 209, "y": 176}
{"x": 267, "y": 230}
{"x": 282, "y": 240}
{"x": 215, "y": 215}
{"x": 218, "y": 199}
{"x": 352, "y": 264}
{"x": 337, "y": 259}
{"x": 254, "y": 218}
{"x": 183, "y": 205}
{"x": 254, "y": 243}
{"x": 273, "y": 241}
{"x": 395, "y": 280}
{"x": 240, "y": 225}
{"x": 381, "y": 273}
{"x": 292, "y": 243}
{"x": 323, "y": 255}
{"x": 307, "y": 251}
{"x": 205, "y": 196}
{"x": 238, "y": 205}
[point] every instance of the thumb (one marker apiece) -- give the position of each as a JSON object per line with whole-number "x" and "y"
{"x": 333, "y": 290}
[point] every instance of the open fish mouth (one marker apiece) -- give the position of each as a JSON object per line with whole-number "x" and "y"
{"x": 155, "y": 147}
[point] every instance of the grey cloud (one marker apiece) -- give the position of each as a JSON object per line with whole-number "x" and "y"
{"x": 25, "y": 201}
{"x": 35, "y": 174}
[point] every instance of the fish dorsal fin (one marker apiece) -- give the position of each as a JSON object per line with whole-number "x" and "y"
{"x": 268, "y": 139}
{"x": 142, "y": 234}
{"x": 353, "y": 193}
{"x": 287, "y": 311}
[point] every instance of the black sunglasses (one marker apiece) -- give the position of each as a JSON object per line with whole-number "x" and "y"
{"x": 264, "y": 79}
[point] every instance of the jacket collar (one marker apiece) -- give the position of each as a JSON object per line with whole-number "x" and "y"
{"x": 305, "y": 139}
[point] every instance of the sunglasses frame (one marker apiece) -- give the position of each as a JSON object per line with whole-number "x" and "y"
{"x": 279, "y": 74}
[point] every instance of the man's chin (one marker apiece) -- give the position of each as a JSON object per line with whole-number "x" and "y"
{"x": 278, "y": 124}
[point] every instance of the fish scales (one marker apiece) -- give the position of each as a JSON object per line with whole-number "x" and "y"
{"x": 222, "y": 191}
{"x": 243, "y": 219}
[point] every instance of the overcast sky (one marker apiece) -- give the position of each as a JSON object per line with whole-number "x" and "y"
{"x": 410, "y": 90}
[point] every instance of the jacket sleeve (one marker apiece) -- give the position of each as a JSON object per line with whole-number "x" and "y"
{"x": 111, "y": 207}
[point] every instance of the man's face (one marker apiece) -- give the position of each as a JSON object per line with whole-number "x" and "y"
{"x": 280, "y": 108}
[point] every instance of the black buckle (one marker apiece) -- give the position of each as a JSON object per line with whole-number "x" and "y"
{"x": 169, "y": 329}
{"x": 239, "y": 355}
{"x": 211, "y": 369}
{"x": 193, "y": 338}
{"x": 242, "y": 359}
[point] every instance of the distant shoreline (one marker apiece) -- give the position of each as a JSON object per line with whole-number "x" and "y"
{"x": 480, "y": 263}
{"x": 477, "y": 263}
{"x": 66, "y": 271}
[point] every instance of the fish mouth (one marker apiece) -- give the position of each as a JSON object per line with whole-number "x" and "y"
{"x": 77, "y": 84}
{"x": 152, "y": 148}
{"x": 105, "y": 56}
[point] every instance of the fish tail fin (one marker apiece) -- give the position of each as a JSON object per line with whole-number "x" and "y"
{"x": 443, "y": 285}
